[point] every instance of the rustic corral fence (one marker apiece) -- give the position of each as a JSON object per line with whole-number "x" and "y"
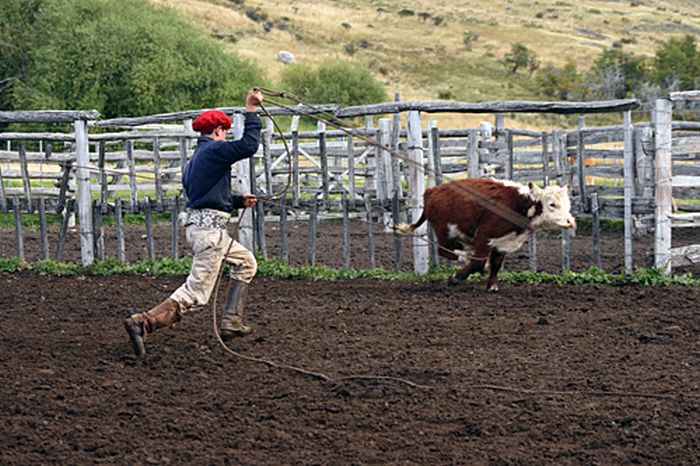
{"x": 111, "y": 167}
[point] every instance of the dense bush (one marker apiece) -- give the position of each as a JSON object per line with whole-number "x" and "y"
{"x": 122, "y": 58}
{"x": 340, "y": 82}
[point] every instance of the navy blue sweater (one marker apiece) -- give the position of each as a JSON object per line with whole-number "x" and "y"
{"x": 207, "y": 177}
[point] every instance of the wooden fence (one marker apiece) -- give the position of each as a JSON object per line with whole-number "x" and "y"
{"x": 135, "y": 165}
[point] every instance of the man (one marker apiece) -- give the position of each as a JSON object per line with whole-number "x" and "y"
{"x": 207, "y": 182}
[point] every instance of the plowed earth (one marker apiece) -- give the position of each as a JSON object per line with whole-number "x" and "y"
{"x": 540, "y": 374}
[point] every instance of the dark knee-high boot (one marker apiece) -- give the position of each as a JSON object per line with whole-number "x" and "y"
{"x": 139, "y": 326}
{"x": 232, "y": 321}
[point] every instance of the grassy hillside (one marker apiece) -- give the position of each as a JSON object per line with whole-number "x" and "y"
{"x": 423, "y": 55}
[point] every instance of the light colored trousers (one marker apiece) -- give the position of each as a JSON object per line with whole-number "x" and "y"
{"x": 209, "y": 246}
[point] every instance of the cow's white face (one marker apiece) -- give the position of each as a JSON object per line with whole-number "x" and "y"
{"x": 556, "y": 207}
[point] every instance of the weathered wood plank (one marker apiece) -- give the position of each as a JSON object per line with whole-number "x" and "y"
{"x": 191, "y": 114}
{"x": 48, "y": 116}
{"x": 490, "y": 107}
{"x": 685, "y": 256}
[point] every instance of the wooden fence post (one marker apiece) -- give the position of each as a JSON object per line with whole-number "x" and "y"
{"x": 565, "y": 250}
{"x": 133, "y": 189}
{"x": 351, "y": 169}
{"x": 43, "y": 239}
{"x": 532, "y": 251}
{"x": 174, "y": 230}
{"x": 296, "y": 185}
{"x": 435, "y": 152}
{"x": 346, "y": 232}
{"x": 87, "y": 252}
{"x": 97, "y": 230}
{"x": 663, "y": 115}
{"x": 372, "y": 263}
{"x": 148, "y": 220}
{"x": 242, "y": 183}
{"x": 26, "y": 182}
{"x": 395, "y": 215}
{"x": 595, "y": 221}
{"x": 545, "y": 159}
{"x": 323, "y": 156}
{"x": 371, "y": 160}
{"x": 284, "y": 248}
{"x": 311, "y": 248}
{"x": 421, "y": 255}
{"x": 156, "y": 173}
{"x": 19, "y": 237}
{"x": 101, "y": 149}
{"x": 384, "y": 173}
{"x": 580, "y": 163}
{"x": 267, "y": 154}
{"x": 510, "y": 156}
{"x": 182, "y": 148}
{"x": 473, "y": 154}
{"x": 3, "y": 198}
{"x": 260, "y": 227}
{"x": 121, "y": 247}
{"x": 629, "y": 188}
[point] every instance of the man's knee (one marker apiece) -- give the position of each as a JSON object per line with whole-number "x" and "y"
{"x": 246, "y": 268}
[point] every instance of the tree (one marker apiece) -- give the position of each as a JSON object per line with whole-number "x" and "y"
{"x": 16, "y": 23}
{"x": 677, "y": 59}
{"x": 519, "y": 57}
{"x": 616, "y": 74}
{"x": 126, "y": 58}
{"x": 561, "y": 83}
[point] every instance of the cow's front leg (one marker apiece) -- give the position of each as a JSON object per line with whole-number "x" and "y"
{"x": 496, "y": 261}
{"x": 476, "y": 264}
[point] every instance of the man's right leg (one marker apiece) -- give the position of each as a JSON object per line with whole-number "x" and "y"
{"x": 139, "y": 326}
{"x": 208, "y": 247}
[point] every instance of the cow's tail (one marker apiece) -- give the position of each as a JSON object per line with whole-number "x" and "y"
{"x": 407, "y": 229}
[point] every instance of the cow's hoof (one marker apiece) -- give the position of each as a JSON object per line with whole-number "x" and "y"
{"x": 453, "y": 281}
{"x": 492, "y": 289}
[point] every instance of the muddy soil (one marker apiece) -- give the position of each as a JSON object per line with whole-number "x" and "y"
{"x": 532, "y": 375}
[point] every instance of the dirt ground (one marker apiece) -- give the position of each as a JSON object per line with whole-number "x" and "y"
{"x": 540, "y": 374}
{"x": 532, "y": 375}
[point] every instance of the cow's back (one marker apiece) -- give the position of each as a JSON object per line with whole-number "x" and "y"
{"x": 455, "y": 203}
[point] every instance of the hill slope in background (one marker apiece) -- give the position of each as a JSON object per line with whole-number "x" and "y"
{"x": 418, "y": 48}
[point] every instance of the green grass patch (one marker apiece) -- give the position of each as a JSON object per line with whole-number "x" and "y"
{"x": 274, "y": 268}
{"x": 31, "y": 221}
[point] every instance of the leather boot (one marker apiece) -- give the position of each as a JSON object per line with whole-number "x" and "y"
{"x": 232, "y": 321}
{"x": 139, "y": 326}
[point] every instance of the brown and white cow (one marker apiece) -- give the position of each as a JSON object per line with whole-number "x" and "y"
{"x": 480, "y": 220}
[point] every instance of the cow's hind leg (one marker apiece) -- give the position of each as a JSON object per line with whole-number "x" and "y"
{"x": 475, "y": 264}
{"x": 496, "y": 262}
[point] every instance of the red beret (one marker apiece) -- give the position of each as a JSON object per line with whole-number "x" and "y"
{"x": 210, "y": 120}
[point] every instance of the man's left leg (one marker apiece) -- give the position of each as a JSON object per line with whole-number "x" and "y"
{"x": 243, "y": 268}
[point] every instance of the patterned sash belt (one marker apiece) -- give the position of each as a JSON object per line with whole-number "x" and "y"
{"x": 207, "y": 218}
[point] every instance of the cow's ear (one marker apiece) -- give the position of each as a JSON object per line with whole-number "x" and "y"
{"x": 534, "y": 189}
